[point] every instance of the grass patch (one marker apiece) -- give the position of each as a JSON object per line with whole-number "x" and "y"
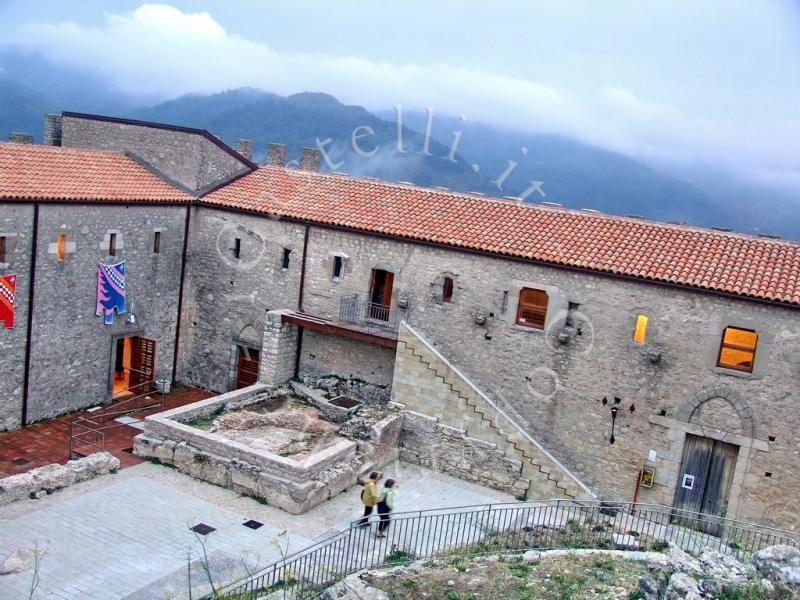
{"x": 562, "y": 578}
{"x": 206, "y": 421}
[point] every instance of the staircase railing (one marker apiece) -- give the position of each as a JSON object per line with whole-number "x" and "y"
{"x": 89, "y": 432}
{"x": 497, "y": 528}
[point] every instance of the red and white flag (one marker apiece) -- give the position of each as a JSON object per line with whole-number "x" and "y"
{"x": 8, "y": 287}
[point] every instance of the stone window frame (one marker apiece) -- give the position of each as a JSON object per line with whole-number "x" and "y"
{"x": 557, "y": 305}
{"x": 437, "y": 288}
{"x": 9, "y": 245}
{"x": 766, "y": 339}
{"x": 344, "y": 259}
{"x": 157, "y": 239}
{"x": 70, "y": 247}
{"x": 118, "y": 243}
{"x": 752, "y": 351}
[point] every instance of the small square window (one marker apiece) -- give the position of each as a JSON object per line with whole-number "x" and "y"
{"x": 737, "y": 349}
{"x": 156, "y": 242}
{"x": 112, "y": 244}
{"x": 640, "y": 330}
{"x": 285, "y": 259}
{"x": 338, "y": 267}
{"x": 237, "y": 248}
{"x": 61, "y": 246}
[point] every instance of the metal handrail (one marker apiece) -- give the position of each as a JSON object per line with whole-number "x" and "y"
{"x": 500, "y": 528}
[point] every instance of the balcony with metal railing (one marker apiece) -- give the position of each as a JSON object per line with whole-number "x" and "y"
{"x": 356, "y": 319}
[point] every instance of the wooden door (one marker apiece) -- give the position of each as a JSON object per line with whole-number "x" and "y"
{"x": 143, "y": 364}
{"x": 380, "y": 294}
{"x": 704, "y": 480}
{"x": 247, "y": 364}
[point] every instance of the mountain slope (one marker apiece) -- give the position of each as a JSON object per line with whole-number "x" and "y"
{"x": 301, "y": 119}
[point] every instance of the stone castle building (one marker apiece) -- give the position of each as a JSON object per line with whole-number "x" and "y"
{"x": 607, "y": 356}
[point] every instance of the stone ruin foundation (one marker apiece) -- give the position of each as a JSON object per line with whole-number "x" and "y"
{"x": 277, "y": 446}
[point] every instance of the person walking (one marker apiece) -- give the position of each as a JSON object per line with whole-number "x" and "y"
{"x": 369, "y": 496}
{"x": 385, "y": 505}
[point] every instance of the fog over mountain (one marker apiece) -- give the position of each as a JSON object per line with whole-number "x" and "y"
{"x": 480, "y": 157}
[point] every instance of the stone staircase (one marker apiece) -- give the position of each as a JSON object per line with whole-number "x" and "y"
{"x": 427, "y": 383}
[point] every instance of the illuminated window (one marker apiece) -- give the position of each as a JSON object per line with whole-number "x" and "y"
{"x": 447, "y": 290}
{"x": 112, "y": 244}
{"x": 532, "y": 309}
{"x": 61, "y": 246}
{"x": 156, "y": 242}
{"x": 738, "y": 349}
{"x": 640, "y": 331}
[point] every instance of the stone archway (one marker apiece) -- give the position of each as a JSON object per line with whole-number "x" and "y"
{"x": 719, "y": 408}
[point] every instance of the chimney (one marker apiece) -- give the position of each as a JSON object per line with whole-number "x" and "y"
{"x": 245, "y": 148}
{"x": 52, "y": 130}
{"x": 310, "y": 159}
{"x": 20, "y": 138}
{"x": 276, "y": 155}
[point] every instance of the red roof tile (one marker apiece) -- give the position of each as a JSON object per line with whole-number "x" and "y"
{"x": 724, "y": 262}
{"x": 35, "y": 172}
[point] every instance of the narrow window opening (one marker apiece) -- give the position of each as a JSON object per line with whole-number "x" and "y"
{"x": 640, "y": 331}
{"x": 237, "y": 247}
{"x": 156, "y": 242}
{"x": 285, "y": 260}
{"x": 61, "y": 246}
{"x": 737, "y": 349}
{"x": 532, "y": 308}
{"x": 447, "y": 290}
{"x": 338, "y": 263}
{"x": 112, "y": 244}
{"x": 2, "y": 248}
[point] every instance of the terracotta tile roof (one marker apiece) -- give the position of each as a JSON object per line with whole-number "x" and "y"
{"x": 700, "y": 258}
{"x": 35, "y": 172}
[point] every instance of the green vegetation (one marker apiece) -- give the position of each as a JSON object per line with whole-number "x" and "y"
{"x": 206, "y": 421}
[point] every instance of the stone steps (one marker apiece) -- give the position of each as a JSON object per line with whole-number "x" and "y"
{"x": 482, "y": 420}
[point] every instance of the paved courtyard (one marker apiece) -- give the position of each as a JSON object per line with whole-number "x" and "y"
{"x": 127, "y": 535}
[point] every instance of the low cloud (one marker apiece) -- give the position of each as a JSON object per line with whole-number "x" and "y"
{"x": 160, "y": 49}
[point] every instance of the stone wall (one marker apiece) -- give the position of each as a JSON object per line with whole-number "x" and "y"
{"x": 45, "y": 480}
{"x": 292, "y": 485}
{"x": 71, "y": 351}
{"x": 227, "y": 298}
{"x": 187, "y": 158}
{"x": 16, "y": 225}
{"x": 555, "y": 380}
{"x": 427, "y": 442}
{"x": 425, "y": 382}
{"x": 279, "y": 351}
{"x": 324, "y": 354}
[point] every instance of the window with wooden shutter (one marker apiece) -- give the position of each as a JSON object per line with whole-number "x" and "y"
{"x": 737, "y": 349}
{"x": 532, "y": 308}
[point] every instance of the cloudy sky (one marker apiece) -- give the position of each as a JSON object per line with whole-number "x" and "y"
{"x": 714, "y": 81}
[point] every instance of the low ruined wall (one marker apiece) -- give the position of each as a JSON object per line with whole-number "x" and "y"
{"x": 45, "y": 480}
{"x": 425, "y": 442}
{"x": 293, "y": 485}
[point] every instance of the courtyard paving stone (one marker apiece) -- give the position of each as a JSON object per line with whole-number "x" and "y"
{"x": 126, "y": 536}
